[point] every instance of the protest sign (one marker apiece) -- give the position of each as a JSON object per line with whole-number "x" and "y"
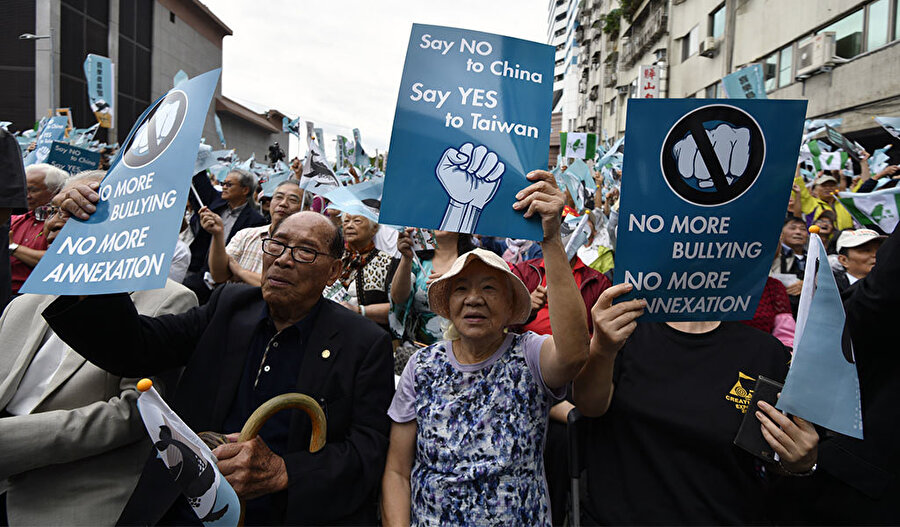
{"x": 99, "y": 74}
{"x": 822, "y": 385}
{"x": 71, "y": 158}
{"x": 701, "y": 207}
{"x": 53, "y": 130}
{"x": 127, "y": 244}
{"x": 472, "y": 119}
{"x": 745, "y": 83}
{"x": 890, "y": 124}
{"x": 842, "y": 142}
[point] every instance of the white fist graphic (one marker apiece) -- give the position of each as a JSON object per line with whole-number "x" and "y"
{"x": 471, "y": 176}
{"x": 732, "y": 147}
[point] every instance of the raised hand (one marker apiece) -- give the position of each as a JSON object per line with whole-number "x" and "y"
{"x": 542, "y": 197}
{"x": 211, "y": 222}
{"x": 613, "y": 324}
{"x": 405, "y": 243}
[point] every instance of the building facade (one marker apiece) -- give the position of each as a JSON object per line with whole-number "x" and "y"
{"x": 148, "y": 41}
{"x": 695, "y": 43}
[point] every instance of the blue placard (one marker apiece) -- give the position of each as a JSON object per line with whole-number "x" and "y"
{"x": 745, "y": 83}
{"x": 472, "y": 118}
{"x": 54, "y": 130}
{"x": 98, "y": 72}
{"x": 699, "y": 220}
{"x": 127, "y": 244}
{"x": 71, "y": 158}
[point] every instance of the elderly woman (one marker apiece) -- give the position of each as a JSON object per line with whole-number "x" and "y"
{"x": 470, "y": 412}
{"x": 367, "y": 271}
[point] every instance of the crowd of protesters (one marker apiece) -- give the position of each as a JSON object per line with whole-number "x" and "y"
{"x": 447, "y": 375}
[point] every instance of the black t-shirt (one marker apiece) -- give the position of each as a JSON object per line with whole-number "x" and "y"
{"x": 664, "y": 451}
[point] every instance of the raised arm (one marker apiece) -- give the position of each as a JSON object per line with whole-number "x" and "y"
{"x": 613, "y": 324}
{"x": 563, "y": 355}
{"x": 401, "y": 285}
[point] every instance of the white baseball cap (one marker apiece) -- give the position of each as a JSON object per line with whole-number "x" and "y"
{"x": 855, "y": 238}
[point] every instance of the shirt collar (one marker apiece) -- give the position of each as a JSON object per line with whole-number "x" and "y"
{"x": 237, "y": 210}
{"x": 302, "y": 324}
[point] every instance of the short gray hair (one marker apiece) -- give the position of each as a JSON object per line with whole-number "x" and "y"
{"x": 248, "y": 180}
{"x": 54, "y": 178}
{"x": 92, "y": 175}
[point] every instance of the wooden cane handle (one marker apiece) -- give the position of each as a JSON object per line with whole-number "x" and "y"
{"x": 282, "y": 402}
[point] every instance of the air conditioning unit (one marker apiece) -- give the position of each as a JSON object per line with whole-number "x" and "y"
{"x": 623, "y": 90}
{"x": 708, "y": 47}
{"x": 815, "y": 55}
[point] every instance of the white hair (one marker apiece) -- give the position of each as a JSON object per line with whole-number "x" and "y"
{"x": 54, "y": 178}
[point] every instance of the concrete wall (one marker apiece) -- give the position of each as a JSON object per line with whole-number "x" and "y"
{"x": 178, "y": 46}
{"x": 693, "y": 74}
{"x": 46, "y": 22}
{"x": 247, "y": 138}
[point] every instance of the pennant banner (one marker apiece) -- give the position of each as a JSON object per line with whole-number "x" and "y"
{"x": 127, "y": 244}
{"x": 822, "y": 385}
{"x": 890, "y": 124}
{"x": 190, "y": 462}
{"x": 362, "y": 199}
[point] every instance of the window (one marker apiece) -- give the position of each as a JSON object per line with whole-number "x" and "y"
{"x": 770, "y": 69}
{"x": 848, "y": 35}
{"x": 689, "y": 43}
{"x": 877, "y": 25}
{"x": 135, "y": 43}
{"x": 83, "y": 29}
{"x": 612, "y": 106}
{"x": 714, "y": 91}
{"x": 785, "y": 66}
{"x": 717, "y": 22}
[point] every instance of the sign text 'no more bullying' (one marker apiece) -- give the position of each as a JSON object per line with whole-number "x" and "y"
{"x": 127, "y": 244}
{"x": 703, "y": 200}
{"x": 472, "y": 118}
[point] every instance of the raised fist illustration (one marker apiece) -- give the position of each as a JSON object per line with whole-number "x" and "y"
{"x": 470, "y": 175}
{"x": 732, "y": 147}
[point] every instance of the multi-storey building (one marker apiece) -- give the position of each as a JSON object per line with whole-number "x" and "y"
{"x": 840, "y": 55}
{"x": 148, "y": 41}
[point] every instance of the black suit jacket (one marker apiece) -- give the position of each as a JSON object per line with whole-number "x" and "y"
{"x": 212, "y": 198}
{"x": 354, "y": 384}
{"x": 860, "y": 483}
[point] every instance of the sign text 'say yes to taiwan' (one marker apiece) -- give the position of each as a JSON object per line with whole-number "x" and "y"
{"x": 472, "y": 119}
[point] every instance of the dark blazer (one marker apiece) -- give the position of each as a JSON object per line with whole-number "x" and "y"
{"x": 860, "y": 479}
{"x": 212, "y": 198}
{"x": 354, "y": 383}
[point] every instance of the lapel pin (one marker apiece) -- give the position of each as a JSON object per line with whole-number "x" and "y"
{"x": 326, "y": 354}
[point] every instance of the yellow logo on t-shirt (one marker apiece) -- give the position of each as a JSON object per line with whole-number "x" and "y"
{"x": 740, "y": 395}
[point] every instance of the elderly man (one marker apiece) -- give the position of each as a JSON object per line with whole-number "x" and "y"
{"x": 27, "y": 243}
{"x": 246, "y": 345}
{"x": 72, "y": 444}
{"x": 236, "y": 207}
{"x": 241, "y": 260}
{"x": 856, "y": 254}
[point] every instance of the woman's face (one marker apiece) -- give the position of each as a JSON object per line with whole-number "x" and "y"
{"x": 825, "y": 226}
{"x": 480, "y": 301}
{"x": 358, "y": 230}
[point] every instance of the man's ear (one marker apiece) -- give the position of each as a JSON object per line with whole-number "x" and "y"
{"x": 335, "y": 271}
{"x": 843, "y": 260}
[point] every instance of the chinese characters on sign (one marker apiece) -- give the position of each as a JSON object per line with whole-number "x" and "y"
{"x": 648, "y": 83}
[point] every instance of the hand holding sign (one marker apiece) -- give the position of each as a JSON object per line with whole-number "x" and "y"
{"x": 544, "y": 198}
{"x": 78, "y": 200}
{"x": 471, "y": 176}
{"x": 211, "y": 222}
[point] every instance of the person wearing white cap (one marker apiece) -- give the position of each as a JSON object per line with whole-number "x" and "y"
{"x": 822, "y": 199}
{"x": 470, "y": 412}
{"x": 856, "y": 253}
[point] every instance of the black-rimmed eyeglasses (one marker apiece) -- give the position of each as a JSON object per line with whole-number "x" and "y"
{"x": 275, "y": 248}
